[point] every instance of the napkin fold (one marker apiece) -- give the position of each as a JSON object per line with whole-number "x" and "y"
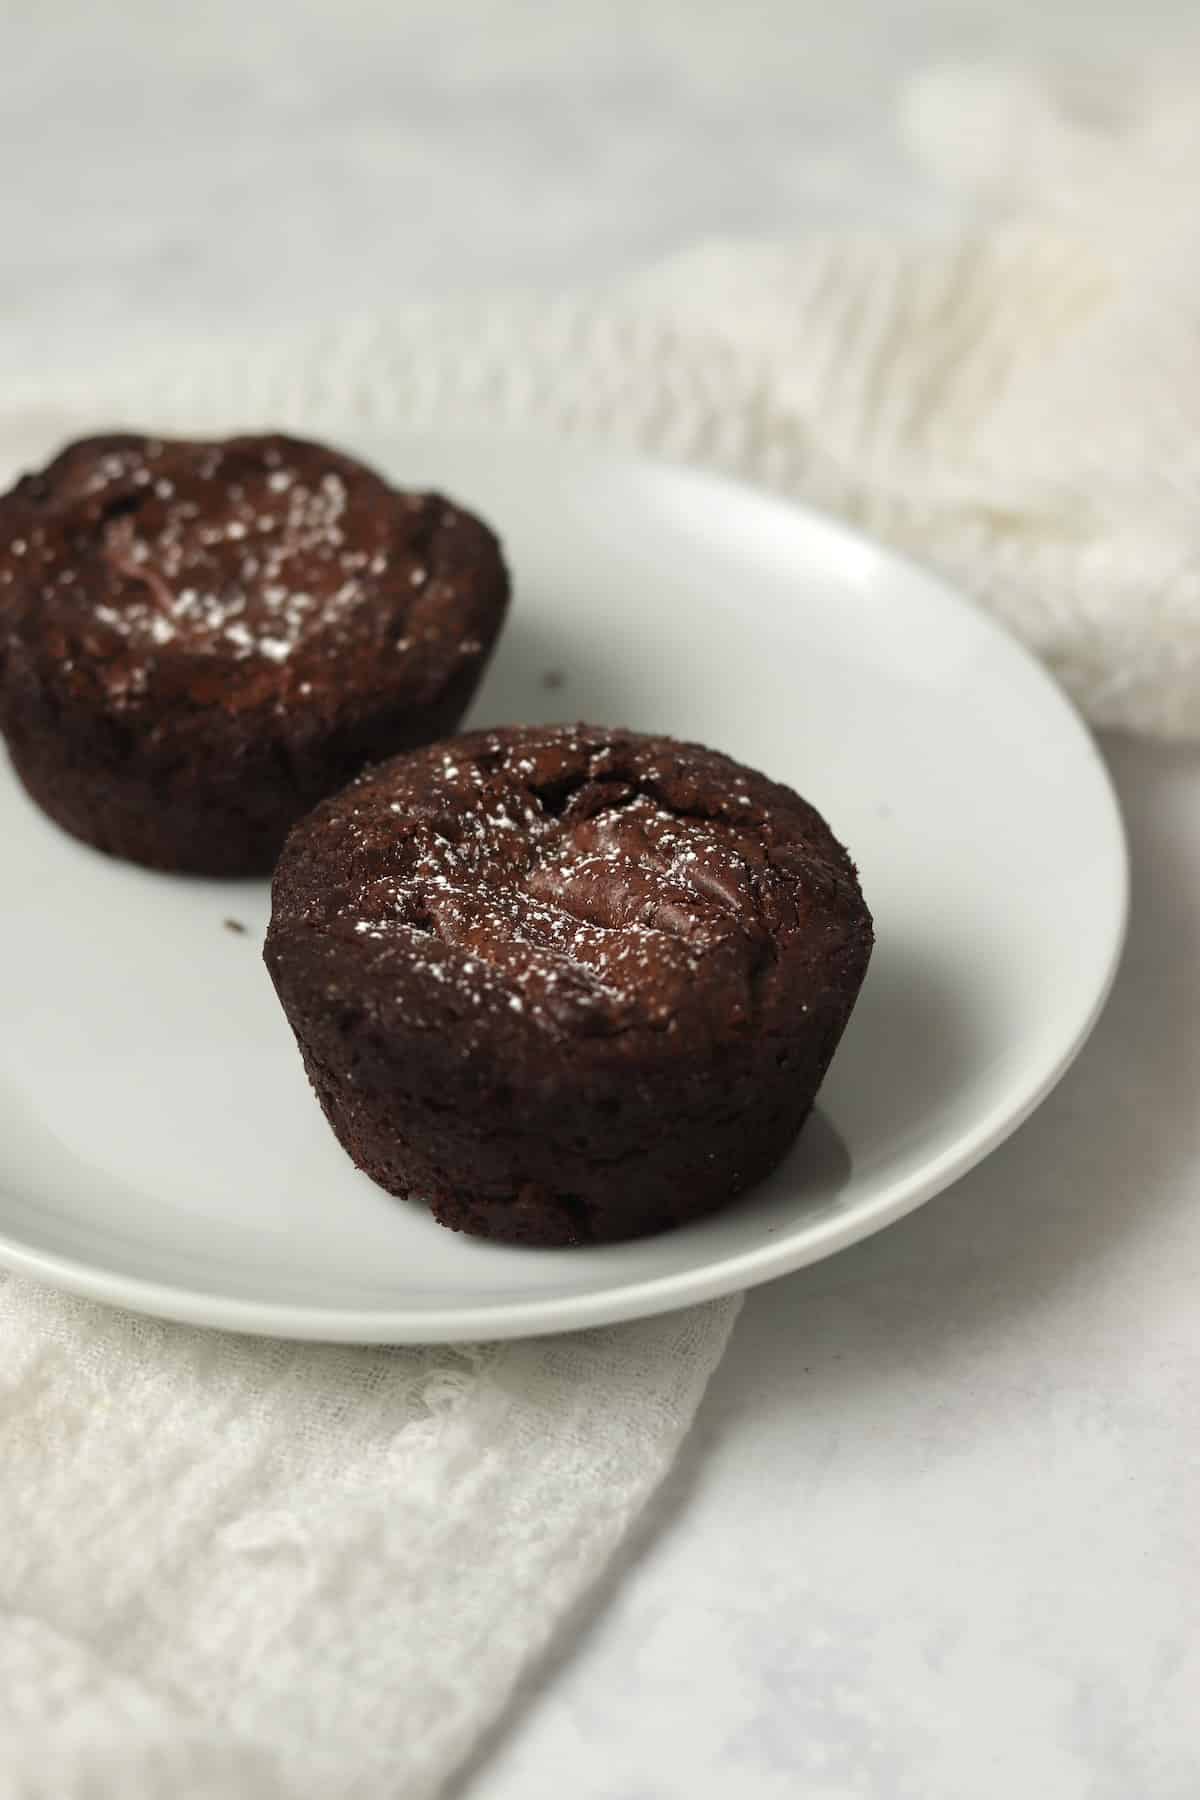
{"x": 249, "y": 1569}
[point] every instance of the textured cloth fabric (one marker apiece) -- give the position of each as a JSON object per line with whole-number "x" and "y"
{"x": 241, "y": 1570}
{"x": 231, "y": 1568}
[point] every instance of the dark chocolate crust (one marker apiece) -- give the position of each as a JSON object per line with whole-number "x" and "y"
{"x": 566, "y": 984}
{"x": 198, "y": 641}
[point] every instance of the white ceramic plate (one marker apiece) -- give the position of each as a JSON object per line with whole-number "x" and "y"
{"x": 159, "y": 1147}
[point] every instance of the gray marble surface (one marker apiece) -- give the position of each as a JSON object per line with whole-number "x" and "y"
{"x": 934, "y": 1537}
{"x": 201, "y": 167}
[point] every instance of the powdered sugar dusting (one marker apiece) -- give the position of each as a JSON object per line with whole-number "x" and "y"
{"x": 569, "y": 884}
{"x": 251, "y": 551}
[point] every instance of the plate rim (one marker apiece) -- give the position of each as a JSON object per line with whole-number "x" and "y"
{"x": 651, "y": 1295}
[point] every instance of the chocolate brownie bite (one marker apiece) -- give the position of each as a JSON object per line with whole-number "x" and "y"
{"x": 566, "y": 984}
{"x": 198, "y": 641}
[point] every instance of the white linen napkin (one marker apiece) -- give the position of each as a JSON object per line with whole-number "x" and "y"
{"x": 240, "y": 1569}
{"x": 243, "y": 1569}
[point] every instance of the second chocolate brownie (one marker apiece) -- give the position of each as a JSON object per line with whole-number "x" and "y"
{"x": 566, "y": 984}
